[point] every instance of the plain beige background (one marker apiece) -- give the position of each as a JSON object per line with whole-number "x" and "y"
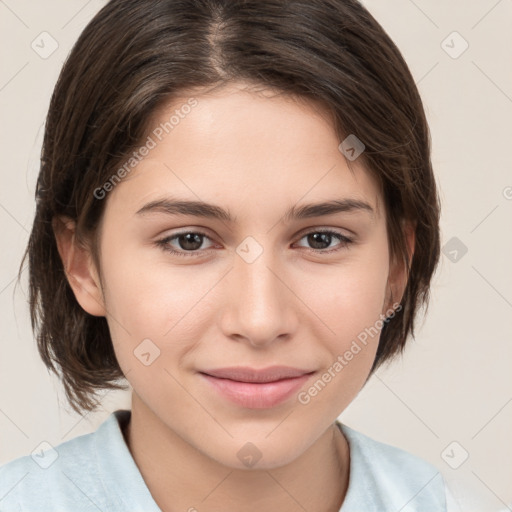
{"x": 451, "y": 395}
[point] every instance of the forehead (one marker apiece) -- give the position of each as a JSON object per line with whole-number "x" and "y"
{"x": 247, "y": 148}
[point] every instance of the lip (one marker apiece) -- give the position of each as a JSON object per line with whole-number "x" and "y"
{"x": 257, "y": 389}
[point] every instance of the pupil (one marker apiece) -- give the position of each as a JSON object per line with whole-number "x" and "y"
{"x": 322, "y": 236}
{"x": 190, "y": 238}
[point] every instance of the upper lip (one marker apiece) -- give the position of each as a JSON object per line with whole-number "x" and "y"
{"x": 248, "y": 374}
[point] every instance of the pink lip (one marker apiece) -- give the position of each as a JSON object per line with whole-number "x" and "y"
{"x": 257, "y": 389}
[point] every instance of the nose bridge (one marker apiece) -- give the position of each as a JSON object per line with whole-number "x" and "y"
{"x": 260, "y": 304}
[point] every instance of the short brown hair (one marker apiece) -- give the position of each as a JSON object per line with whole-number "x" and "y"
{"x": 134, "y": 57}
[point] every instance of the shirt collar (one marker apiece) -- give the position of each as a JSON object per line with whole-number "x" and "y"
{"x": 118, "y": 470}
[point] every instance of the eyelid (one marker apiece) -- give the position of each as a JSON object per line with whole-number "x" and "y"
{"x": 314, "y": 229}
{"x": 173, "y": 236}
{"x": 344, "y": 241}
{"x": 348, "y": 233}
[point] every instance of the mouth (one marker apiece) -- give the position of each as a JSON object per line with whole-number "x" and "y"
{"x": 257, "y": 389}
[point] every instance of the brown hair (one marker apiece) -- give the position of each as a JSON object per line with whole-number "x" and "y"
{"x": 135, "y": 56}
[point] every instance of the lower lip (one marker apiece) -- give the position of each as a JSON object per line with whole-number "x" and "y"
{"x": 257, "y": 396}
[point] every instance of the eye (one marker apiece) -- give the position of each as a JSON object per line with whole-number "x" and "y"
{"x": 189, "y": 243}
{"x": 321, "y": 239}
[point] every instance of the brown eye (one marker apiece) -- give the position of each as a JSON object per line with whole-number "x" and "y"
{"x": 321, "y": 240}
{"x": 188, "y": 243}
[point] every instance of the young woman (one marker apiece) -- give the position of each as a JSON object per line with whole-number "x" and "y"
{"x": 236, "y": 213}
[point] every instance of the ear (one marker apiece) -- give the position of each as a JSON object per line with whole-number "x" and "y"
{"x": 78, "y": 267}
{"x": 398, "y": 272}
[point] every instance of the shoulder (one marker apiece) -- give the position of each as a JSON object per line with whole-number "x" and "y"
{"x": 55, "y": 477}
{"x": 386, "y": 477}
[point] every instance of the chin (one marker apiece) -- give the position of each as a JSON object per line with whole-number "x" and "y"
{"x": 259, "y": 453}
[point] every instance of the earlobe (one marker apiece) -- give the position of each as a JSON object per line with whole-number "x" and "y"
{"x": 78, "y": 267}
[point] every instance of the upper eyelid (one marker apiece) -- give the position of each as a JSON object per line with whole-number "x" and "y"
{"x": 337, "y": 230}
{"x": 301, "y": 232}
{"x": 299, "y": 236}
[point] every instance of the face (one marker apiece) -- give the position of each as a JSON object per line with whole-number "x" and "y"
{"x": 186, "y": 294}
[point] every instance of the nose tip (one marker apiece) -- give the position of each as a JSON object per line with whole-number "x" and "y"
{"x": 260, "y": 308}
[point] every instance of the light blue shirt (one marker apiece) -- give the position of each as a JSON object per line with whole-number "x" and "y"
{"x": 96, "y": 472}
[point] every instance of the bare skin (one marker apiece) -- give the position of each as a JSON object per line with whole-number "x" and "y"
{"x": 255, "y": 156}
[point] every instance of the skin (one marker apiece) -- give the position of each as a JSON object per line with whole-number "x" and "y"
{"x": 255, "y": 155}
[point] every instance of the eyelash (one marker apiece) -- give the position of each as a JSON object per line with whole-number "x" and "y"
{"x": 164, "y": 243}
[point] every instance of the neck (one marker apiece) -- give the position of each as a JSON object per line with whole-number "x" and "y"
{"x": 180, "y": 477}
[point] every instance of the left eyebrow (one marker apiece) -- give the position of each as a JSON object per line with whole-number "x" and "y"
{"x": 212, "y": 211}
{"x": 308, "y": 211}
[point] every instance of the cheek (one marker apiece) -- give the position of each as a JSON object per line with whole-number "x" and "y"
{"x": 167, "y": 304}
{"x": 351, "y": 309}
{"x": 351, "y": 296}
{"x": 349, "y": 301}
{"x": 145, "y": 292}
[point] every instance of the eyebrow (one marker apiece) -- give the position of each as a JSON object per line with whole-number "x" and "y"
{"x": 207, "y": 210}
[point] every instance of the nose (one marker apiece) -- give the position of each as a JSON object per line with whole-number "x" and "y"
{"x": 261, "y": 307}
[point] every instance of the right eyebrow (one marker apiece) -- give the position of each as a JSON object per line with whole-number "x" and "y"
{"x": 185, "y": 207}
